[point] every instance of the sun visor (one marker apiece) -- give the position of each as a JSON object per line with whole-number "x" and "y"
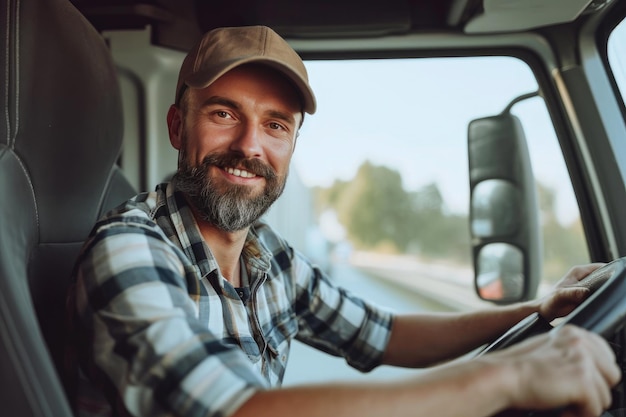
{"x": 512, "y": 15}
{"x": 320, "y": 18}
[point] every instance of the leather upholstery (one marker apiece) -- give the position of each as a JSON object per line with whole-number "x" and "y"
{"x": 60, "y": 135}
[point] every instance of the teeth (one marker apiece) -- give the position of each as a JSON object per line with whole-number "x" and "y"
{"x": 240, "y": 172}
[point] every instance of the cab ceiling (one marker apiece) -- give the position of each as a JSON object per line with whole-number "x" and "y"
{"x": 178, "y": 23}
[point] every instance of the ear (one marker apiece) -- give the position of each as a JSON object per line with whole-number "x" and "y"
{"x": 175, "y": 126}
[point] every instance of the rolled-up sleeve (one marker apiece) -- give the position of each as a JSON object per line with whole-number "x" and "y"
{"x": 335, "y": 321}
{"x": 140, "y": 324}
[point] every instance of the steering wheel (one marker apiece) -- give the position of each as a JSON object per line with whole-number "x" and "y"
{"x": 602, "y": 312}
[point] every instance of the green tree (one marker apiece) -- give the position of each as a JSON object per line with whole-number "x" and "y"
{"x": 374, "y": 208}
{"x": 379, "y": 214}
{"x": 436, "y": 233}
{"x": 564, "y": 245}
{"x": 428, "y": 200}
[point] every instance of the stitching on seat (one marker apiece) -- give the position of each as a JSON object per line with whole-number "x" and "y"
{"x": 11, "y": 133}
{"x": 17, "y": 73}
{"x": 32, "y": 191}
{"x": 12, "y": 138}
{"x": 105, "y": 190}
{"x": 6, "y": 72}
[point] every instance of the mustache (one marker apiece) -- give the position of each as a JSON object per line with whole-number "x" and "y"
{"x": 253, "y": 165}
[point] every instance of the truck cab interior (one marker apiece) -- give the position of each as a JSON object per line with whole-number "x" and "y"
{"x": 66, "y": 156}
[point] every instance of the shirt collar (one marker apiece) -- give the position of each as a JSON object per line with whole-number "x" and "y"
{"x": 254, "y": 252}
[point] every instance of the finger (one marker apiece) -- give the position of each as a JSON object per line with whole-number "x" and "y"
{"x": 600, "y": 392}
{"x": 573, "y": 294}
{"x": 603, "y": 353}
{"x": 606, "y": 361}
{"x": 584, "y": 344}
{"x": 581, "y": 271}
{"x": 577, "y": 273}
{"x": 570, "y": 298}
{"x": 606, "y": 396}
{"x": 593, "y": 393}
{"x": 563, "y": 301}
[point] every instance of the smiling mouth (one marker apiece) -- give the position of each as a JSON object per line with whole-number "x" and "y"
{"x": 237, "y": 172}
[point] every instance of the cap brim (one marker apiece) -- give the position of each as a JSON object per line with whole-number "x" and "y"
{"x": 203, "y": 79}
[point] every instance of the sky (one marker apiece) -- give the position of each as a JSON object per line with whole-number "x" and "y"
{"x": 412, "y": 116}
{"x": 617, "y": 57}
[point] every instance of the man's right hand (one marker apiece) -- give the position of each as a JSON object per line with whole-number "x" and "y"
{"x": 567, "y": 368}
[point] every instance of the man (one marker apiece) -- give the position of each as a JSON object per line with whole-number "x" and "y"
{"x": 186, "y": 303}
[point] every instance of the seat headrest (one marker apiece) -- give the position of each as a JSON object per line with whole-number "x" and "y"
{"x": 65, "y": 114}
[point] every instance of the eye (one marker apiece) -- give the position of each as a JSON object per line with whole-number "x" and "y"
{"x": 222, "y": 117}
{"x": 222, "y": 114}
{"x": 276, "y": 126}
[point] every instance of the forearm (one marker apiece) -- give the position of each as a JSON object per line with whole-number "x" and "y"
{"x": 427, "y": 339}
{"x": 476, "y": 390}
{"x": 569, "y": 368}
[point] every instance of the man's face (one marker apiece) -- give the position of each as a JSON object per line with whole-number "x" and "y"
{"x": 235, "y": 142}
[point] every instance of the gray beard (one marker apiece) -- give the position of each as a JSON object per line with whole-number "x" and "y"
{"x": 234, "y": 209}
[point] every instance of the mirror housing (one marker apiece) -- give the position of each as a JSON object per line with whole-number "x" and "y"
{"x": 504, "y": 215}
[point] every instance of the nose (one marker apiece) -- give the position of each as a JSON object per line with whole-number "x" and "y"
{"x": 248, "y": 141}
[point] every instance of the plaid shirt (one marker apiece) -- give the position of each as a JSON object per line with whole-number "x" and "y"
{"x": 159, "y": 330}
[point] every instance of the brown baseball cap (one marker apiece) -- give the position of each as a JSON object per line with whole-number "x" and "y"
{"x": 223, "y": 49}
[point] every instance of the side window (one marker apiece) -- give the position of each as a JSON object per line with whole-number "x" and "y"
{"x": 384, "y": 162}
{"x": 379, "y": 188}
{"x": 616, "y": 45}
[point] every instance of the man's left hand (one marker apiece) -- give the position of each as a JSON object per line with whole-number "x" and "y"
{"x": 567, "y": 293}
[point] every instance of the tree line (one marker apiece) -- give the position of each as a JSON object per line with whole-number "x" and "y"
{"x": 378, "y": 214}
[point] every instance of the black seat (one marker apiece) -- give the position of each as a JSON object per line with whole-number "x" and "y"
{"x": 60, "y": 135}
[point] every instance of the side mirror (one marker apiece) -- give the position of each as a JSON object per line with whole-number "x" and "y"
{"x": 504, "y": 216}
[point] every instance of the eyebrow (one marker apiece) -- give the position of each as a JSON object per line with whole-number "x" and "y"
{"x": 282, "y": 116}
{"x": 221, "y": 101}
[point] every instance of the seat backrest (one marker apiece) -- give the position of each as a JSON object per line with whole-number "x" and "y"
{"x": 60, "y": 136}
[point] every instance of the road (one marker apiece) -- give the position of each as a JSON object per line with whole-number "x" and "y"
{"x": 307, "y": 365}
